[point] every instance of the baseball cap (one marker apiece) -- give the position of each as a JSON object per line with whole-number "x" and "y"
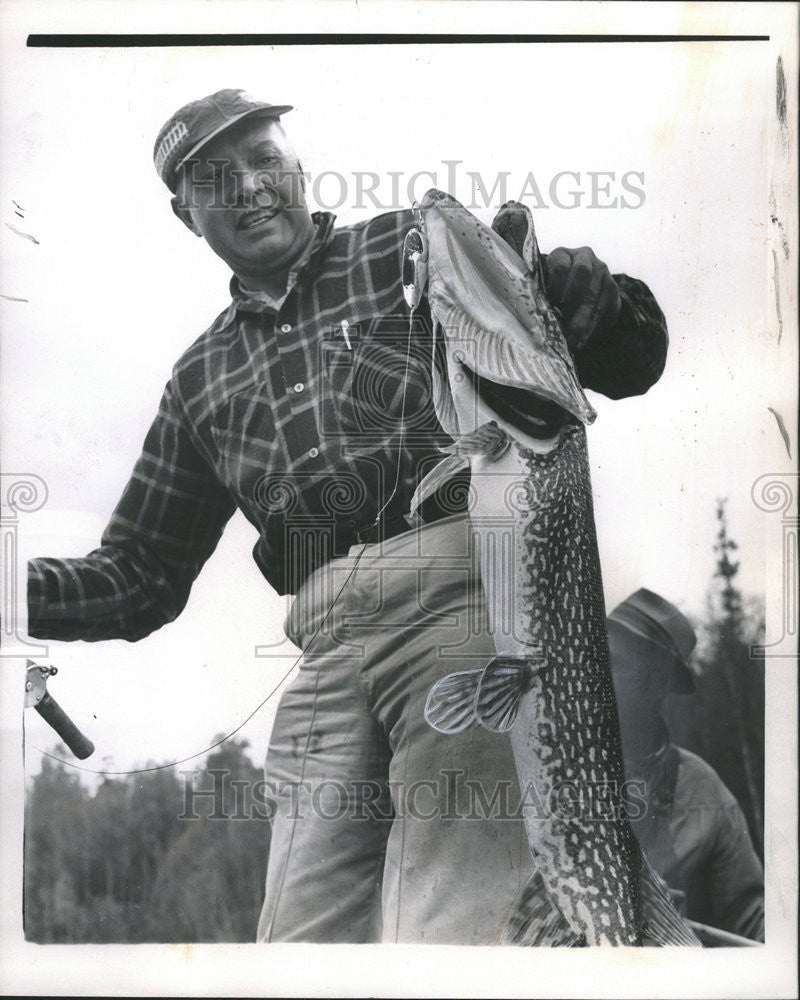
{"x": 648, "y": 616}
{"x": 196, "y": 123}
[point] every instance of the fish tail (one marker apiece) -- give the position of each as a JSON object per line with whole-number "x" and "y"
{"x": 536, "y": 922}
{"x": 661, "y": 922}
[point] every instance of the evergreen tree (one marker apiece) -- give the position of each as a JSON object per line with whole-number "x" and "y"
{"x": 210, "y": 884}
{"x": 128, "y": 864}
{"x": 723, "y": 721}
{"x": 56, "y": 875}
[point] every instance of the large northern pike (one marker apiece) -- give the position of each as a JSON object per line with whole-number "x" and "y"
{"x": 512, "y": 402}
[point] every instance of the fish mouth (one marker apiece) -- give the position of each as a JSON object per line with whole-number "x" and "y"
{"x": 537, "y": 376}
{"x": 494, "y": 314}
{"x": 527, "y": 411}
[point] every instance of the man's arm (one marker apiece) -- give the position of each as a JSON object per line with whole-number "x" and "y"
{"x": 725, "y": 880}
{"x": 166, "y": 525}
{"x": 735, "y": 878}
{"x": 612, "y": 323}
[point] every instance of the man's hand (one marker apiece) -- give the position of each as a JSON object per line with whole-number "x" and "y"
{"x": 581, "y": 287}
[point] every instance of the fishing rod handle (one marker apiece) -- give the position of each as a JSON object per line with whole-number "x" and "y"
{"x": 55, "y": 716}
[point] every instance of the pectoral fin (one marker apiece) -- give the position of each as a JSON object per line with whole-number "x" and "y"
{"x": 436, "y": 478}
{"x": 488, "y": 439}
{"x": 450, "y": 707}
{"x": 502, "y": 684}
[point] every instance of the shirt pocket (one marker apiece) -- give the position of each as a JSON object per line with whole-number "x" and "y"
{"x": 364, "y": 399}
{"x": 246, "y": 442}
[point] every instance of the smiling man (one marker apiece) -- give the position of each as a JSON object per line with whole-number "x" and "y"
{"x": 245, "y": 196}
{"x": 289, "y": 407}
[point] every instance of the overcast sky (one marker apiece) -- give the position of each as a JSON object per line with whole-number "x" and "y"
{"x": 116, "y": 289}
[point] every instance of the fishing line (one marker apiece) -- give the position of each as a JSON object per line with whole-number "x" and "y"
{"x": 375, "y": 523}
{"x": 329, "y": 611}
{"x": 401, "y": 436}
{"x": 184, "y": 760}
{"x": 263, "y": 702}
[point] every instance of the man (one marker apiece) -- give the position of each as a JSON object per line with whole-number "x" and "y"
{"x": 689, "y": 824}
{"x": 289, "y": 407}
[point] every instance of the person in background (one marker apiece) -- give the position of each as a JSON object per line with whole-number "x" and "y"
{"x": 687, "y": 822}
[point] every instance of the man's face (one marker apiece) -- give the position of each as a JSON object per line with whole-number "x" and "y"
{"x": 641, "y": 672}
{"x": 243, "y": 193}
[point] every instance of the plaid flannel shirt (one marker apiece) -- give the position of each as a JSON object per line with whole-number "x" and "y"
{"x": 293, "y": 418}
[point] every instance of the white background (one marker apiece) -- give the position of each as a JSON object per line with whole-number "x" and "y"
{"x": 116, "y": 288}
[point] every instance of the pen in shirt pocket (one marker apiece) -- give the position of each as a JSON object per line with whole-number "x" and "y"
{"x": 346, "y": 335}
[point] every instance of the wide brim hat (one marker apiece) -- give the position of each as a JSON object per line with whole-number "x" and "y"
{"x": 651, "y": 618}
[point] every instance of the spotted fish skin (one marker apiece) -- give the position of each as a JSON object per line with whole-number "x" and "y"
{"x": 534, "y": 535}
{"x": 565, "y": 738}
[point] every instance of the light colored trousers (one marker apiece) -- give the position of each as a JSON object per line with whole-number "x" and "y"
{"x": 384, "y": 829}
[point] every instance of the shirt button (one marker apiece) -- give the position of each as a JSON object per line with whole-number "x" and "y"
{"x": 298, "y": 387}
{"x": 286, "y": 328}
{"x": 313, "y": 453}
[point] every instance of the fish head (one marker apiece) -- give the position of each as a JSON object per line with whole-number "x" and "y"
{"x": 500, "y": 349}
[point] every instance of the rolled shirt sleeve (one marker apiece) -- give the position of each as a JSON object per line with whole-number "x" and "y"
{"x": 165, "y": 526}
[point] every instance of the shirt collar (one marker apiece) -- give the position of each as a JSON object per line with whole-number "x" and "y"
{"x": 309, "y": 263}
